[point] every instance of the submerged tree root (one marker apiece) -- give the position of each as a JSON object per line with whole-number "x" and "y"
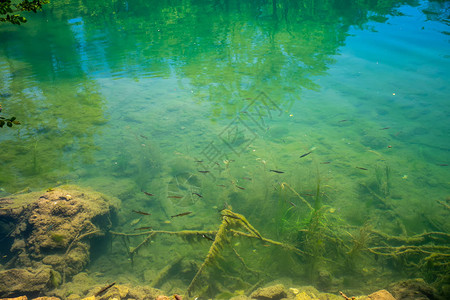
{"x": 222, "y": 237}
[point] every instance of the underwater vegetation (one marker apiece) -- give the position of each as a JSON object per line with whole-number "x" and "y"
{"x": 233, "y": 226}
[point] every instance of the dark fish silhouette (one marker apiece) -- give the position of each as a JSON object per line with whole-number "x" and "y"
{"x": 182, "y": 214}
{"x": 144, "y": 228}
{"x": 141, "y": 212}
{"x": 306, "y": 154}
{"x": 104, "y": 289}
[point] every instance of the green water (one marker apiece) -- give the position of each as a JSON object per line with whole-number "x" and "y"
{"x": 135, "y": 96}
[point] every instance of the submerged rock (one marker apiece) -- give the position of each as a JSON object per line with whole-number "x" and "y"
{"x": 22, "y": 281}
{"x": 416, "y": 289}
{"x": 381, "y": 295}
{"x": 51, "y": 230}
{"x": 274, "y": 292}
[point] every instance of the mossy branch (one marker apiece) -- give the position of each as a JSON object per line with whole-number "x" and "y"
{"x": 285, "y": 185}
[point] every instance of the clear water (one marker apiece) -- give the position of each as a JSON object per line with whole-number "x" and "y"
{"x": 135, "y": 96}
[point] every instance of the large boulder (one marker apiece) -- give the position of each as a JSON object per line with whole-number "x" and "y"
{"x": 53, "y": 229}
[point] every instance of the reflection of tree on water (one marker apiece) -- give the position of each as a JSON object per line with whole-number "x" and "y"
{"x": 58, "y": 108}
{"x": 227, "y": 49}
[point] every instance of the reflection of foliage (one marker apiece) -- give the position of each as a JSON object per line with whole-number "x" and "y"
{"x": 10, "y": 10}
{"x": 300, "y": 37}
{"x": 57, "y": 135}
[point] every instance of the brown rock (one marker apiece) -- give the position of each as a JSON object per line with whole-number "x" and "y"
{"x": 22, "y": 281}
{"x": 381, "y": 295}
{"x": 274, "y": 292}
{"x": 46, "y": 298}
{"x": 416, "y": 289}
{"x": 46, "y": 223}
{"x": 18, "y": 298}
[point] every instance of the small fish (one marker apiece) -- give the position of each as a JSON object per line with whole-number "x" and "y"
{"x": 293, "y": 204}
{"x": 143, "y": 136}
{"x": 240, "y": 187}
{"x": 325, "y": 163}
{"x": 197, "y": 195}
{"x": 204, "y": 172}
{"x": 244, "y": 112}
{"x": 176, "y": 197}
{"x": 247, "y": 178}
{"x": 141, "y": 212}
{"x": 50, "y": 189}
{"x": 385, "y": 128}
{"x": 276, "y": 171}
{"x": 306, "y": 154}
{"x": 182, "y": 214}
{"x": 144, "y": 228}
{"x": 310, "y": 195}
{"x": 148, "y": 194}
{"x": 222, "y": 185}
{"x": 362, "y": 168}
{"x": 198, "y": 161}
{"x": 343, "y": 121}
{"x": 207, "y": 237}
{"x": 104, "y": 289}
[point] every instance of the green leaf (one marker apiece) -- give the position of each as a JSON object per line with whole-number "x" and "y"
{"x": 12, "y": 119}
{"x": 9, "y": 124}
{"x": 2, "y": 123}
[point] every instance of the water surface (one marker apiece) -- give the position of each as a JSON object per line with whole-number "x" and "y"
{"x": 136, "y": 96}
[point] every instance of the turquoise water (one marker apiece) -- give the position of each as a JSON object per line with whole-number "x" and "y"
{"x": 136, "y": 96}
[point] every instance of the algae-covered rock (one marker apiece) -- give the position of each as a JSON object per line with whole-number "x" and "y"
{"x": 54, "y": 228}
{"x": 413, "y": 289}
{"x": 22, "y": 281}
{"x": 381, "y": 295}
{"x": 269, "y": 293}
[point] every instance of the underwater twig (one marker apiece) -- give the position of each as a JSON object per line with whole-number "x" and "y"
{"x": 284, "y": 184}
{"x": 79, "y": 237}
{"x": 219, "y": 241}
{"x": 444, "y": 204}
{"x": 345, "y": 296}
{"x": 396, "y": 251}
{"x": 283, "y": 245}
{"x": 415, "y": 239}
{"x": 182, "y": 232}
{"x": 244, "y": 264}
{"x": 76, "y": 240}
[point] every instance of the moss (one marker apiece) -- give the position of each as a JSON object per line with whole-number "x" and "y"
{"x": 55, "y": 279}
{"x": 58, "y": 238}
